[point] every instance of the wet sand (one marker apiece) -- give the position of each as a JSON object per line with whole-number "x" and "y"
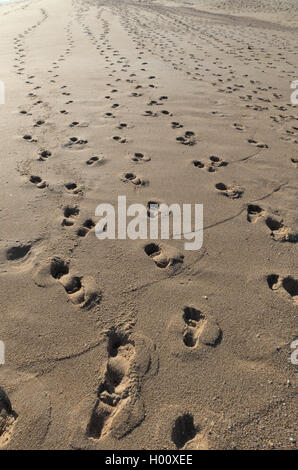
{"x": 111, "y": 344}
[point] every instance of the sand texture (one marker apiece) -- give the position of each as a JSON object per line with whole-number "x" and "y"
{"x": 125, "y": 344}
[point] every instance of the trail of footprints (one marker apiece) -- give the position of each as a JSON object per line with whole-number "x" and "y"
{"x": 118, "y": 408}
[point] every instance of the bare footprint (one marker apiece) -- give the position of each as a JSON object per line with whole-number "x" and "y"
{"x": 287, "y": 285}
{"x": 192, "y": 331}
{"x": 139, "y": 157}
{"x": 44, "y": 155}
{"x": 118, "y": 406}
{"x": 183, "y": 430}
{"x": 231, "y": 191}
{"x": 187, "y": 139}
{"x": 164, "y": 256}
{"x": 259, "y": 145}
{"x": 96, "y": 159}
{"x": 178, "y": 428}
{"x": 40, "y": 184}
{"x": 254, "y": 212}
{"x": 73, "y": 188}
{"x": 279, "y": 232}
{"x": 134, "y": 179}
{"x": 70, "y": 213}
{"x": 81, "y": 291}
{"x": 87, "y": 226}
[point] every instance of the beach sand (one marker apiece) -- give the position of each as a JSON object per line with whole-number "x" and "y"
{"x": 125, "y": 344}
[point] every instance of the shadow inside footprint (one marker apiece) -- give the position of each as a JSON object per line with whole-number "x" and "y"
{"x": 73, "y": 285}
{"x": 183, "y": 430}
{"x": 70, "y": 211}
{"x": 17, "y": 252}
{"x": 290, "y": 285}
{"x": 97, "y": 422}
{"x": 272, "y": 281}
{"x": 273, "y": 224}
{"x": 152, "y": 249}
{"x": 58, "y": 268}
{"x": 253, "y": 212}
{"x": 194, "y": 323}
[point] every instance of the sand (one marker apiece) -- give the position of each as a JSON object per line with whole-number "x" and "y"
{"x": 110, "y": 344}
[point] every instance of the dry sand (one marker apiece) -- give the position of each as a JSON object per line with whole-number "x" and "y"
{"x": 105, "y": 348}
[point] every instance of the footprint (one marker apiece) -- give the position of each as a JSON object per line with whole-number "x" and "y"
{"x": 119, "y": 406}
{"x": 150, "y": 114}
{"x": 40, "y": 184}
{"x": 194, "y": 325}
{"x": 76, "y": 141}
{"x": 279, "y": 232}
{"x": 58, "y": 268}
{"x": 140, "y": 158}
{"x": 176, "y": 125}
{"x": 18, "y": 252}
{"x": 39, "y": 123}
{"x": 95, "y": 159}
{"x": 73, "y": 188}
{"x": 70, "y": 213}
{"x": 178, "y": 428}
{"x": 193, "y": 331}
{"x": 238, "y": 126}
{"x": 28, "y": 138}
{"x": 183, "y": 430}
{"x": 216, "y": 162}
{"x": 254, "y": 212}
{"x": 198, "y": 329}
{"x": 86, "y": 227}
{"x": 136, "y": 180}
{"x": 231, "y": 191}
{"x": 7, "y": 418}
{"x": 187, "y": 139}
{"x": 81, "y": 291}
{"x": 153, "y": 208}
{"x": 198, "y": 164}
{"x": 119, "y": 139}
{"x": 164, "y": 256}
{"x": 294, "y": 160}
{"x": 113, "y": 391}
{"x": 288, "y": 284}
{"x": 260, "y": 145}
{"x": 44, "y": 155}
{"x": 122, "y": 125}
